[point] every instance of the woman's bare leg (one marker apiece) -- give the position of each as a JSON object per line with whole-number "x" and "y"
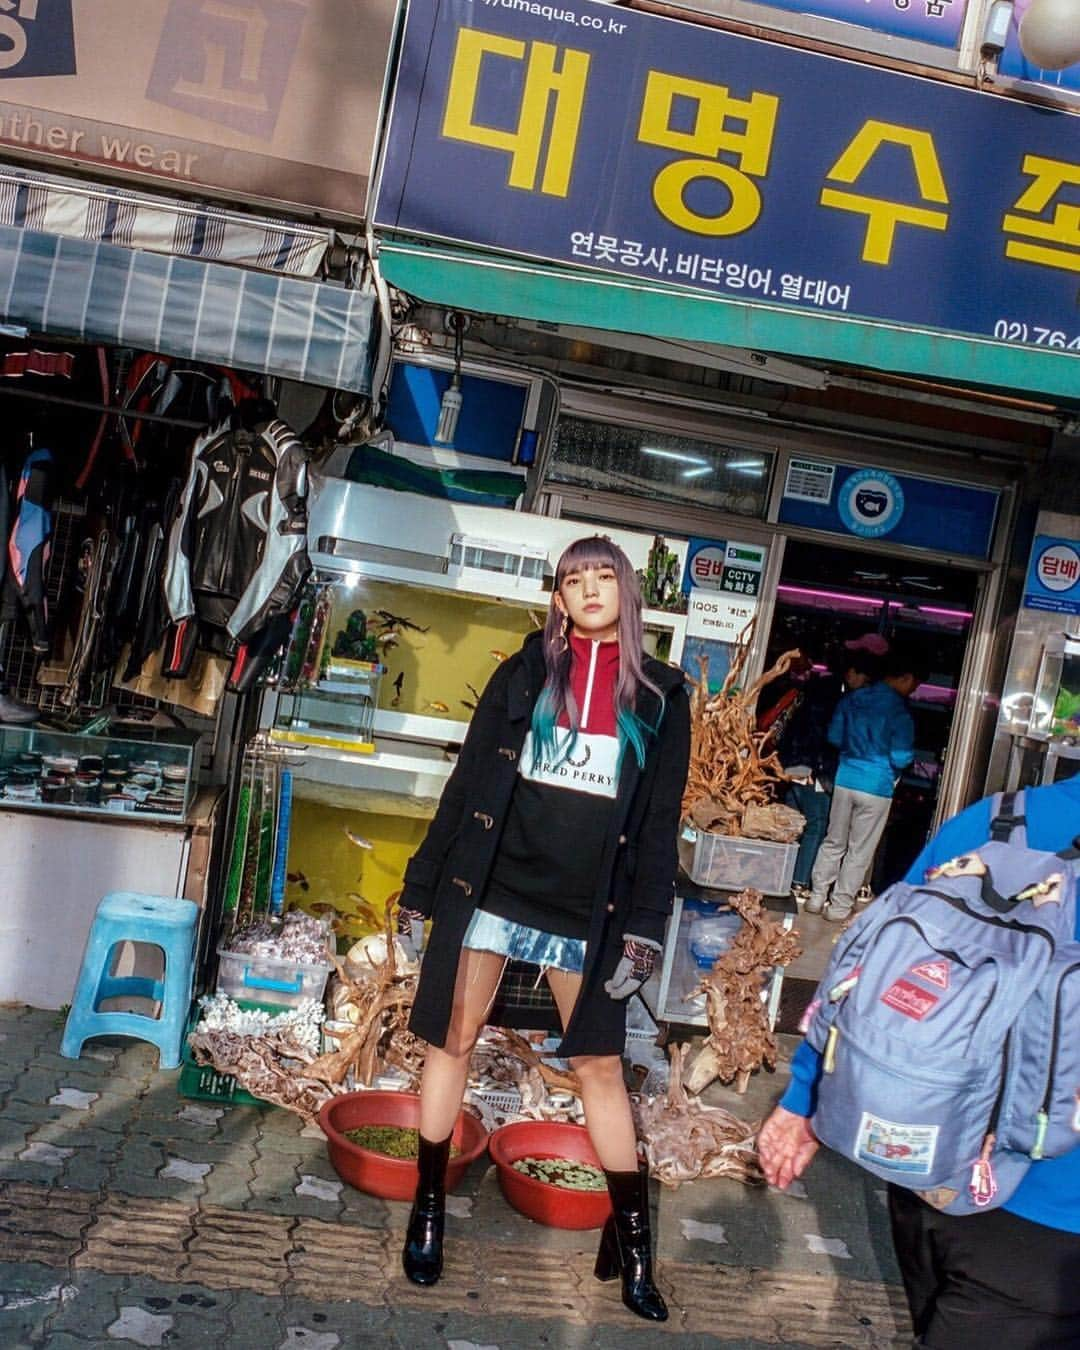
{"x": 603, "y": 1090}
{"x": 446, "y": 1070}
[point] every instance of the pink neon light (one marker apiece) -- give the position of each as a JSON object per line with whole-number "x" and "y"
{"x": 931, "y": 609}
{"x": 875, "y": 603}
{"x": 834, "y": 595}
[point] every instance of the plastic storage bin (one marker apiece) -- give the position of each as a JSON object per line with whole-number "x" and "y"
{"x": 727, "y": 862}
{"x": 269, "y": 980}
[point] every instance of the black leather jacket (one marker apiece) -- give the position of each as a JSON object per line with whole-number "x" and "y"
{"x": 237, "y": 552}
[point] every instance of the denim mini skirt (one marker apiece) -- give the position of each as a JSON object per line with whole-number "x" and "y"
{"x": 489, "y": 933}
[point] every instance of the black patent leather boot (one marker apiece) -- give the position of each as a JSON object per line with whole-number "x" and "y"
{"x": 422, "y": 1254}
{"x": 626, "y": 1245}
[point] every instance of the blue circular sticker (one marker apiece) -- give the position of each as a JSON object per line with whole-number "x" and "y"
{"x": 871, "y": 503}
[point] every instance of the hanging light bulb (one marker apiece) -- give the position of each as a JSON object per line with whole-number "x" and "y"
{"x": 450, "y": 408}
{"x": 1050, "y": 33}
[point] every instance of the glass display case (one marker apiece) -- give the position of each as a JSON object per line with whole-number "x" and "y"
{"x": 149, "y": 773}
{"x": 319, "y": 716}
{"x": 334, "y": 705}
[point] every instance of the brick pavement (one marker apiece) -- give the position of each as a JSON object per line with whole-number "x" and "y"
{"x": 131, "y": 1216}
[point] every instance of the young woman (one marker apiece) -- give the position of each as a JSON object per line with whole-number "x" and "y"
{"x": 554, "y": 843}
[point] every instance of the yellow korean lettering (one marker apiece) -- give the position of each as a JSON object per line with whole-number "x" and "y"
{"x": 884, "y": 216}
{"x": 710, "y": 135}
{"x": 1063, "y": 226}
{"x": 544, "y": 79}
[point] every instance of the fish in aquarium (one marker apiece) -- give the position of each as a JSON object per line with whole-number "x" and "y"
{"x": 387, "y": 622}
{"x": 298, "y": 879}
{"x": 497, "y": 655}
{"x": 388, "y": 640}
{"x": 363, "y": 910}
{"x": 358, "y": 839}
{"x": 436, "y": 705}
{"x": 399, "y": 684}
{"x": 471, "y": 703}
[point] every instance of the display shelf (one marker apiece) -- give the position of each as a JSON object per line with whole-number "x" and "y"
{"x": 388, "y": 782}
{"x": 142, "y": 773}
{"x": 417, "y": 727}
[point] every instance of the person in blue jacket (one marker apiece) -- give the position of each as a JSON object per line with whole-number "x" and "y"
{"x": 875, "y": 735}
{"x": 1009, "y": 1278}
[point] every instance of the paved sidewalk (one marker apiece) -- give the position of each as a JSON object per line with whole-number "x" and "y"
{"x": 130, "y": 1216}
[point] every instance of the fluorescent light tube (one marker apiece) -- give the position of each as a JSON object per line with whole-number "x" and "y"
{"x": 676, "y": 455}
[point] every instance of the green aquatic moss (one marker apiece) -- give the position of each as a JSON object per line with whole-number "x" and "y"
{"x": 571, "y": 1176}
{"x": 396, "y": 1141}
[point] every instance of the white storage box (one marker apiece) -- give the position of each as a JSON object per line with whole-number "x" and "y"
{"x": 266, "y": 979}
{"x": 727, "y": 862}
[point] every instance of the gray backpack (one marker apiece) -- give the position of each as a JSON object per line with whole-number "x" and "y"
{"x": 948, "y": 1020}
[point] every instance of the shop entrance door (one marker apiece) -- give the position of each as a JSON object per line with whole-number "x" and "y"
{"x": 831, "y": 595}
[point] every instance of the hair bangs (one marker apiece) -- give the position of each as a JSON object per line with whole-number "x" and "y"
{"x": 557, "y": 700}
{"x": 593, "y": 551}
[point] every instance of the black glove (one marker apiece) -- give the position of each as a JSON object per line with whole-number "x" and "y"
{"x": 635, "y": 966}
{"x": 410, "y": 931}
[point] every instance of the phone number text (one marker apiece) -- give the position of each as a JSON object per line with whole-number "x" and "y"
{"x": 1012, "y": 330}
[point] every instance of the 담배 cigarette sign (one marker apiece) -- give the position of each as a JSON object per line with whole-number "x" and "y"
{"x": 1053, "y": 579}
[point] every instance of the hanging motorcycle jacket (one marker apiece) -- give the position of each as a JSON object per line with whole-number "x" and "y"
{"x": 237, "y": 550}
{"x": 27, "y": 548}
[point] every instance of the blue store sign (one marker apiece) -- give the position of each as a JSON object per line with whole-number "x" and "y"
{"x": 875, "y": 504}
{"x": 685, "y": 156}
{"x": 1053, "y": 579}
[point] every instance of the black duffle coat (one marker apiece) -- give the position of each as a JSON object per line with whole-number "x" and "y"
{"x": 635, "y": 886}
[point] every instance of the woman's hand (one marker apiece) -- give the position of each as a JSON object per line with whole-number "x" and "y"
{"x": 786, "y": 1144}
{"x": 636, "y": 964}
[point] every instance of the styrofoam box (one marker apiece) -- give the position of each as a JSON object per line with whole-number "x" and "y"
{"x": 727, "y": 862}
{"x": 269, "y": 980}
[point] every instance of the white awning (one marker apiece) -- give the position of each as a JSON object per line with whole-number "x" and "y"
{"x": 76, "y": 210}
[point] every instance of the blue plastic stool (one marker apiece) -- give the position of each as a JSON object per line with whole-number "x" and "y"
{"x": 159, "y": 921}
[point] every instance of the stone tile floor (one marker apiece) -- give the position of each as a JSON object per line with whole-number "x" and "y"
{"x": 132, "y": 1216}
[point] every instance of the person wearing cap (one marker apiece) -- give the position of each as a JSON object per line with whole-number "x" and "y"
{"x": 803, "y": 744}
{"x": 875, "y": 735}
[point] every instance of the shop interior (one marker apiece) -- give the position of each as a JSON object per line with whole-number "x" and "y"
{"x": 829, "y": 595}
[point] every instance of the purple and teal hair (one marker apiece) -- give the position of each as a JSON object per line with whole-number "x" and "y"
{"x": 556, "y": 698}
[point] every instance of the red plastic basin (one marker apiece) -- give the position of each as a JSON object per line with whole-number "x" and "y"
{"x": 540, "y": 1200}
{"x": 376, "y": 1173}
